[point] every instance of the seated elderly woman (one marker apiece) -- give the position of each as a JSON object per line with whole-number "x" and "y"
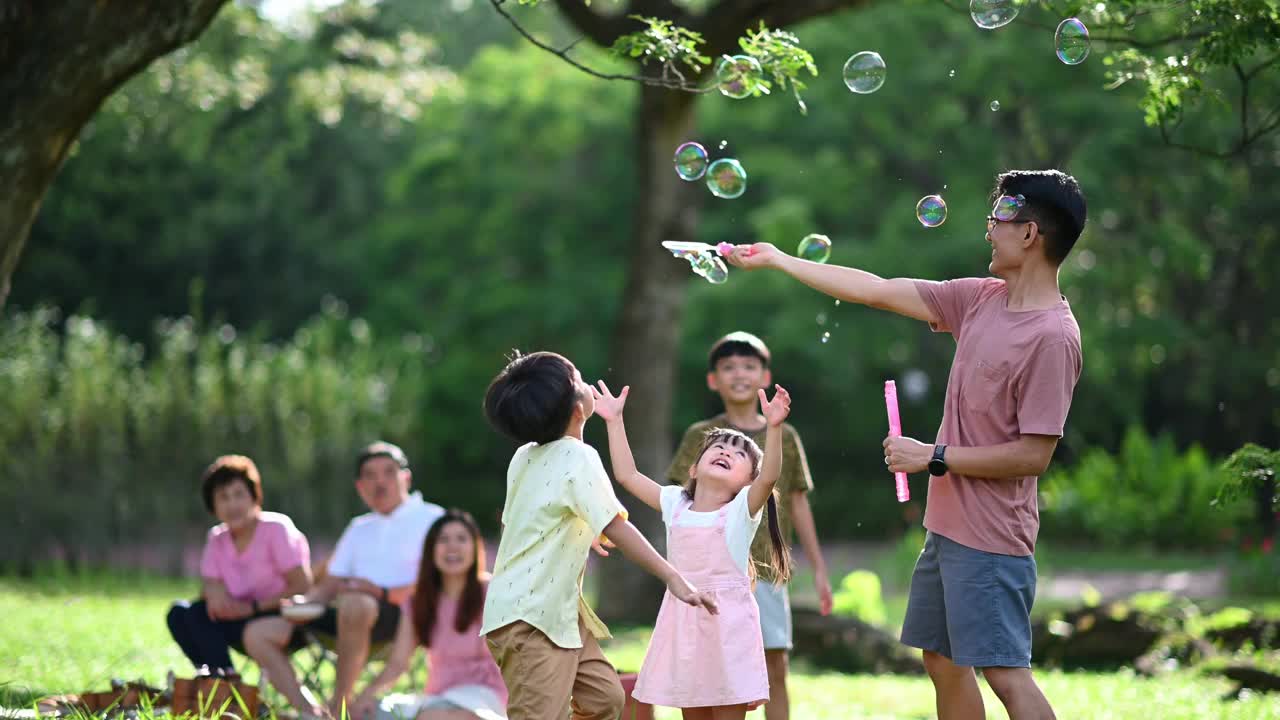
{"x": 251, "y": 560}
{"x": 443, "y": 616}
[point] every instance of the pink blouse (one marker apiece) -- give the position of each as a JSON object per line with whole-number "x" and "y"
{"x": 257, "y": 573}
{"x": 459, "y": 658}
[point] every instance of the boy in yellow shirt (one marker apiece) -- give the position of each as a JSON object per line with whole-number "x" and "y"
{"x": 538, "y": 626}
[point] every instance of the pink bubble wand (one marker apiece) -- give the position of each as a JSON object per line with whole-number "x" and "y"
{"x": 895, "y": 430}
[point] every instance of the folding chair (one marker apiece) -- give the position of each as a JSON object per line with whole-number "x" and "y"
{"x": 317, "y": 661}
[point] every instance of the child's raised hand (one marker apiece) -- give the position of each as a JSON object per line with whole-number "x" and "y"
{"x": 776, "y": 411}
{"x": 609, "y": 407}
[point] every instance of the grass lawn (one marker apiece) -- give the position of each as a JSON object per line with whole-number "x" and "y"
{"x": 71, "y": 634}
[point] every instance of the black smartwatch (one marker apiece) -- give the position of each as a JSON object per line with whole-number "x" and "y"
{"x": 937, "y": 465}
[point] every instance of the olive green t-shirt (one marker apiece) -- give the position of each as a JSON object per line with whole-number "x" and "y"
{"x": 794, "y": 478}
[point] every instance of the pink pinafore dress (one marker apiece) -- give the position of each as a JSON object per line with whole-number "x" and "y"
{"x": 696, "y": 659}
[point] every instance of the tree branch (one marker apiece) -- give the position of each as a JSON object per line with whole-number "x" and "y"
{"x": 662, "y": 81}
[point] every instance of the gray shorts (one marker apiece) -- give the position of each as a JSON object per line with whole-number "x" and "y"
{"x": 775, "y": 615}
{"x": 971, "y": 606}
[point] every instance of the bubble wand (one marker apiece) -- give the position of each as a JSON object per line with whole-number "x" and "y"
{"x": 895, "y": 430}
{"x": 680, "y": 249}
{"x": 703, "y": 258}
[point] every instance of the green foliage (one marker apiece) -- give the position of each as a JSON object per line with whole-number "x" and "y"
{"x": 502, "y": 211}
{"x": 1248, "y": 470}
{"x": 1148, "y": 493}
{"x": 664, "y": 42}
{"x": 859, "y": 596}
{"x": 1187, "y": 55}
{"x": 105, "y": 442}
{"x": 780, "y": 56}
{"x": 897, "y": 567}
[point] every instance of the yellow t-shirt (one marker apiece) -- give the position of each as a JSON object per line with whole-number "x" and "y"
{"x": 559, "y": 499}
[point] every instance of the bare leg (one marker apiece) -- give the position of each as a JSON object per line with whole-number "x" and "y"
{"x": 357, "y": 613}
{"x": 729, "y": 712}
{"x": 1019, "y": 693}
{"x": 265, "y": 639}
{"x": 699, "y": 713}
{"x": 956, "y": 688}
{"x": 779, "y": 705}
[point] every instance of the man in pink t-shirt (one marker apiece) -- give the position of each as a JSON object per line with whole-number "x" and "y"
{"x": 1016, "y": 364}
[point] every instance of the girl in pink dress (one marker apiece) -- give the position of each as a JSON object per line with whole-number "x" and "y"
{"x": 710, "y": 666}
{"x": 442, "y": 616}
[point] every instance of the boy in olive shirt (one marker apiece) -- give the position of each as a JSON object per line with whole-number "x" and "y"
{"x": 738, "y": 367}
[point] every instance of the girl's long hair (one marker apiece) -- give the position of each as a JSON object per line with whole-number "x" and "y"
{"x": 780, "y": 556}
{"x": 426, "y": 597}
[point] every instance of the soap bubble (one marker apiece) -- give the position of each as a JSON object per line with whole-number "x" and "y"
{"x": 737, "y": 76}
{"x": 864, "y": 72}
{"x": 814, "y": 247}
{"x": 726, "y": 178}
{"x": 691, "y": 161}
{"x": 1071, "y": 41}
{"x": 826, "y": 336}
{"x": 931, "y": 211}
{"x": 991, "y": 14}
{"x": 995, "y": 105}
{"x": 1007, "y": 206}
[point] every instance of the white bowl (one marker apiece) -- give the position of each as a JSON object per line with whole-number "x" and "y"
{"x": 304, "y": 612}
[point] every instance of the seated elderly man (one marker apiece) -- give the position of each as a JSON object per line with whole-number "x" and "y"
{"x": 373, "y": 570}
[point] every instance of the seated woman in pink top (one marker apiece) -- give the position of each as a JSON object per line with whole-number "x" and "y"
{"x": 443, "y": 616}
{"x": 251, "y": 560}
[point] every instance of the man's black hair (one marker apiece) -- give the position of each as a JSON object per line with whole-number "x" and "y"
{"x": 1054, "y": 202}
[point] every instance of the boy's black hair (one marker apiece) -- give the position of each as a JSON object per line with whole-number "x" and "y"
{"x": 532, "y": 399}
{"x": 1054, "y": 202}
{"x": 738, "y": 344}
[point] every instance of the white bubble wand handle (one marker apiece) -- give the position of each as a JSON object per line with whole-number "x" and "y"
{"x": 895, "y": 430}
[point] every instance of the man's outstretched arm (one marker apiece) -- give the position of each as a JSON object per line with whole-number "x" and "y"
{"x": 848, "y": 284}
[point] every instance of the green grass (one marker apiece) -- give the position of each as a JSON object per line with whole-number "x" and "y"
{"x": 821, "y": 695}
{"x": 74, "y": 633}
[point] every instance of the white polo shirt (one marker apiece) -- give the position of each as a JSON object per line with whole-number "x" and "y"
{"x": 385, "y": 549}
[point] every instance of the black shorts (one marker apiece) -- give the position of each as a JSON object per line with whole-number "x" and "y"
{"x": 384, "y": 628}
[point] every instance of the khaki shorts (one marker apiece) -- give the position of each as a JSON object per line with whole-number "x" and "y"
{"x": 545, "y": 680}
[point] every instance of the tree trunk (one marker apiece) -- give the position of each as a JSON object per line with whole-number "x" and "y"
{"x": 59, "y": 60}
{"x": 644, "y": 346}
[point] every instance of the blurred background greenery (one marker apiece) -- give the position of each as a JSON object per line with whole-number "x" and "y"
{"x": 261, "y": 247}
